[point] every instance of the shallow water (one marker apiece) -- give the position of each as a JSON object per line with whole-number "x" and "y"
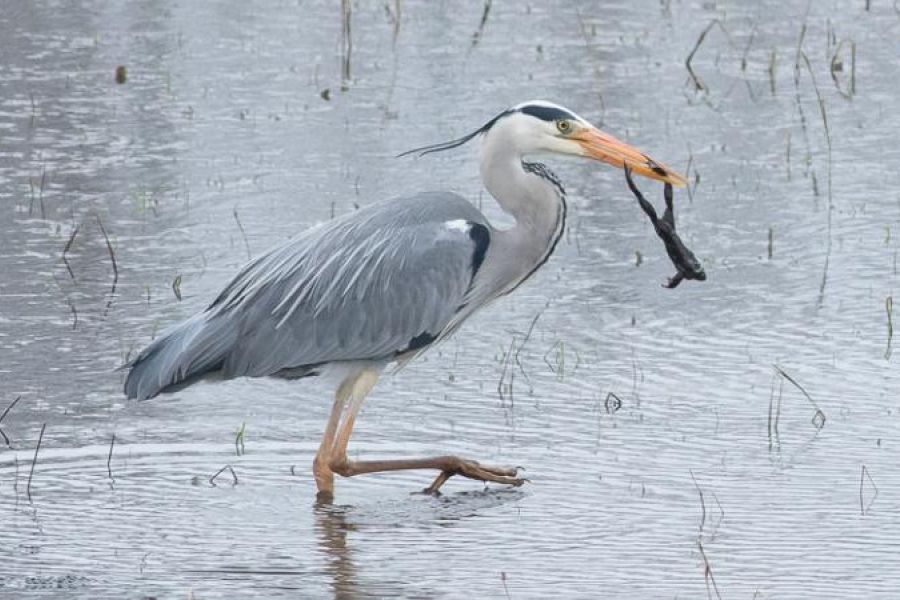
{"x": 220, "y": 144}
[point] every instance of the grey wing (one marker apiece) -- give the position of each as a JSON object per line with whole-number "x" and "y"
{"x": 386, "y": 280}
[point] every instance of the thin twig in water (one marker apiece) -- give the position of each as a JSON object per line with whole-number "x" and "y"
{"x": 889, "y": 307}
{"x": 212, "y": 480}
{"x": 115, "y": 266}
{"x": 505, "y": 589}
{"x": 828, "y": 157}
{"x": 507, "y": 356}
{"x": 346, "y": 42}
{"x": 837, "y": 65}
{"x": 863, "y": 475}
{"x": 65, "y": 252}
{"x": 484, "y": 17}
{"x": 721, "y": 516}
{"x": 34, "y": 461}
{"x": 559, "y": 369}
{"x": 698, "y": 84}
{"x": 176, "y": 287}
{"x": 787, "y": 156}
{"x": 775, "y": 413}
{"x": 634, "y": 380}
{"x": 702, "y": 503}
{"x": 799, "y": 102}
{"x": 243, "y": 233}
{"x": 707, "y": 568}
{"x": 397, "y": 21}
{"x": 778, "y": 410}
{"x": 800, "y": 39}
{"x": 6, "y": 412}
{"x": 687, "y": 62}
{"x": 747, "y": 48}
{"x": 818, "y": 419}
{"x": 707, "y": 572}
{"x": 239, "y": 440}
{"x": 41, "y": 190}
{"x": 74, "y": 313}
{"x": 524, "y": 340}
{"x": 612, "y": 404}
{"x": 112, "y": 443}
{"x": 772, "y": 65}
{"x": 9, "y": 408}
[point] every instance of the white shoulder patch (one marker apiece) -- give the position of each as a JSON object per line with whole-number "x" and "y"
{"x": 460, "y": 225}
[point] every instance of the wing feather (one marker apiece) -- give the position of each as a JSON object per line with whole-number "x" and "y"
{"x": 362, "y": 287}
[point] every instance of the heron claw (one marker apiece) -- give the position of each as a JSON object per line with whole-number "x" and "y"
{"x": 474, "y": 470}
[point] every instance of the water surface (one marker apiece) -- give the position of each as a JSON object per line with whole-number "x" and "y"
{"x": 221, "y": 144}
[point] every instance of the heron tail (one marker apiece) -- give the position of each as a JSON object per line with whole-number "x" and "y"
{"x": 194, "y": 349}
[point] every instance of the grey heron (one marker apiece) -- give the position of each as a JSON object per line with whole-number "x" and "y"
{"x": 383, "y": 284}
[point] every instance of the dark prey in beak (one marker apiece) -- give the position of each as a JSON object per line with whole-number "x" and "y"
{"x": 684, "y": 260}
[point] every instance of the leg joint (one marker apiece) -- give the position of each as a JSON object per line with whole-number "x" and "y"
{"x": 341, "y": 466}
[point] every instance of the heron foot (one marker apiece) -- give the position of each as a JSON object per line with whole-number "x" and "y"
{"x": 447, "y": 465}
{"x": 474, "y": 470}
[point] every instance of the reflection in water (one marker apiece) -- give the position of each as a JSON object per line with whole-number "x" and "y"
{"x": 345, "y": 533}
{"x": 331, "y": 530}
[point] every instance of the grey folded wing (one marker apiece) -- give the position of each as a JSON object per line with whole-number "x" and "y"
{"x": 380, "y": 282}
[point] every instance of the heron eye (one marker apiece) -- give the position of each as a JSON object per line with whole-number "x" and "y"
{"x": 564, "y": 126}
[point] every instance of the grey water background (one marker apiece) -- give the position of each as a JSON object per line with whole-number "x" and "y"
{"x": 646, "y": 417}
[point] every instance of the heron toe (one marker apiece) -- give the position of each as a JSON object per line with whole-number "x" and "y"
{"x": 474, "y": 470}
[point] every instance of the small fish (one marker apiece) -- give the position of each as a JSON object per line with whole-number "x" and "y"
{"x": 684, "y": 260}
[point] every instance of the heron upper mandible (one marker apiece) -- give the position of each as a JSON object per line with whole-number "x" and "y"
{"x": 383, "y": 284}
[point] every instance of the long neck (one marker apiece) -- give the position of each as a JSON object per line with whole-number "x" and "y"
{"x": 533, "y": 197}
{"x": 532, "y": 200}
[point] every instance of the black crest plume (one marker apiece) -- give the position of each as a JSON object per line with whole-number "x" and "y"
{"x": 457, "y": 142}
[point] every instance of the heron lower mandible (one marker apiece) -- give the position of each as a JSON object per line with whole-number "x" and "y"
{"x": 383, "y": 284}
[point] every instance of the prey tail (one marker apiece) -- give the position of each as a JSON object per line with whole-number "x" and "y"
{"x": 192, "y": 350}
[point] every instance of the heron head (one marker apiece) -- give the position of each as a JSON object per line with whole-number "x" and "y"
{"x": 543, "y": 127}
{"x": 546, "y": 127}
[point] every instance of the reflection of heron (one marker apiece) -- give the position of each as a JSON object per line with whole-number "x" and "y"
{"x": 386, "y": 282}
{"x": 331, "y": 531}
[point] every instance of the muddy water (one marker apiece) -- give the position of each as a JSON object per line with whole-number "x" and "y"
{"x": 642, "y": 414}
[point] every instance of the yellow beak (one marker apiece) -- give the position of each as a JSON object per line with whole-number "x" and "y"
{"x": 604, "y": 147}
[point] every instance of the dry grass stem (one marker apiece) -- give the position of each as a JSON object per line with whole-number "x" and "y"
{"x": 212, "y": 480}
{"x": 34, "y": 461}
{"x": 65, "y": 252}
{"x": 3, "y": 416}
{"x": 889, "y": 308}
{"x": 243, "y": 233}
{"x": 818, "y": 419}
{"x": 112, "y": 443}
{"x": 863, "y": 505}
{"x": 698, "y": 83}
{"x": 476, "y": 37}
{"x": 115, "y": 265}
